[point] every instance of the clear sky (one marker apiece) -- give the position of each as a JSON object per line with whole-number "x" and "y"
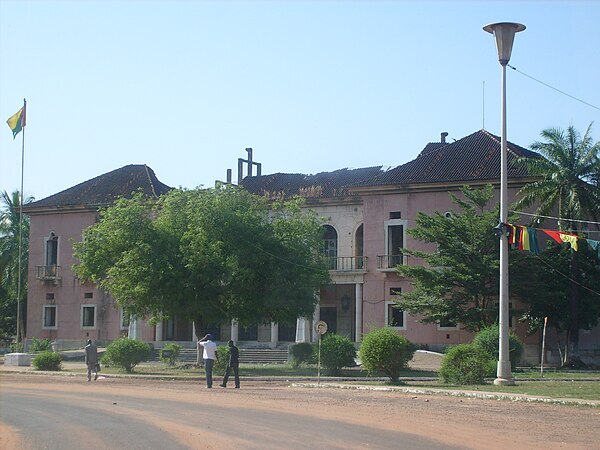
{"x": 186, "y": 86}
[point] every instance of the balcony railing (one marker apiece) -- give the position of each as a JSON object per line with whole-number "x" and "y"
{"x": 47, "y": 272}
{"x": 389, "y": 262}
{"x": 347, "y": 263}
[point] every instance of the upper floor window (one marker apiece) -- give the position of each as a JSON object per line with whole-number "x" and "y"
{"x": 330, "y": 239}
{"x": 395, "y": 230}
{"x": 51, "y": 253}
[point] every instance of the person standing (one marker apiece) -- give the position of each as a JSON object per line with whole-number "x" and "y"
{"x": 91, "y": 360}
{"x": 233, "y": 364}
{"x": 209, "y": 355}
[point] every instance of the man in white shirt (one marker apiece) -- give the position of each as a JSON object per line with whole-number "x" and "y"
{"x": 209, "y": 355}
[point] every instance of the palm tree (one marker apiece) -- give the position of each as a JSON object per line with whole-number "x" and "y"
{"x": 568, "y": 184}
{"x": 10, "y": 235}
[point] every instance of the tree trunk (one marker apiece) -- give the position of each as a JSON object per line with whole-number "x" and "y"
{"x": 198, "y": 327}
{"x": 574, "y": 359}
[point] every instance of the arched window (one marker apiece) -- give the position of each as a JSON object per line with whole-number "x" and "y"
{"x": 330, "y": 241}
{"x": 358, "y": 248}
{"x": 51, "y": 251}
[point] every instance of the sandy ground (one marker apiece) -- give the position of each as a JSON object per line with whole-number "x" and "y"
{"x": 461, "y": 422}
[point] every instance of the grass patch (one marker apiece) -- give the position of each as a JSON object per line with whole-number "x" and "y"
{"x": 554, "y": 389}
{"x": 557, "y": 374}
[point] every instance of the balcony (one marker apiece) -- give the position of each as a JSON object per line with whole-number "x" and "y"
{"x": 388, "y": 263}
{"x": 47, "y": 273}
{"x": 347, "y": 263}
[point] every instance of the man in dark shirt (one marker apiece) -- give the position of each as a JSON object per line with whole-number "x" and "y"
{"x": 234, "y": 363}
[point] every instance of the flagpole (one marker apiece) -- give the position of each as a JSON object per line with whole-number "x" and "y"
{"x": 19, "y": 330}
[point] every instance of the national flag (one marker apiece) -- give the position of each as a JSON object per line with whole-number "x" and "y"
{"x": 16, "y": 122}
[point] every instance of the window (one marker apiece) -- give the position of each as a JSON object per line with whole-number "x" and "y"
{"x": 88, "y": 316}
{"x": 49, "y": 317}
{"x": 51, "y": 254}
{"x": 50, "y": 296}
{"x": 330, "y": 245}
{"x": 395, "y": 215}
{"x": 395, "y": 317}
{"x": 359, "y": 248}
{"x": 88, "y": 295}
{"x": 124, "y": 320}
{"x": 394, "y": 241}
{"x": 447, "y": 324}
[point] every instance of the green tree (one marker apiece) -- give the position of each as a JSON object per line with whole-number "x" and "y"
{"x": 207, "y": 255}
{"x": 566, "y": 184}
{"x": 459, "y": 282}
{"x": 542, "y": 284}
{"x": 10, "y": 233}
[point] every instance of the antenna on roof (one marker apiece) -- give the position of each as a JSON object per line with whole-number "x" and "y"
{"x": 483, "y": 107}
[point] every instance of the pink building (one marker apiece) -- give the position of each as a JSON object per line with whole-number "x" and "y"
{"x": 365, "y": 212}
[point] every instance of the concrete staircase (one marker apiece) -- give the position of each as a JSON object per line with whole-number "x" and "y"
{"x": 247, "y": 355}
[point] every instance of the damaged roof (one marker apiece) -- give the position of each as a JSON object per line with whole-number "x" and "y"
{"x": 322, "y": 185}
{"x": 105, "y": 189}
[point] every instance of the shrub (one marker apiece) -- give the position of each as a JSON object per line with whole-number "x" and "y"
{"x": 169, "y": 353}
{"x": 465, "y": 364}
{"x": 126, "y": 353}
{"x": 221, "y": 363}
{"x": 384, "y": 351}
{"x": 487, "y": 340}
{"x": 302, "y": 352}
{"x": 47, "y": 361}
{"x": 40, "y": 345}
{"x": 337, "y": 352}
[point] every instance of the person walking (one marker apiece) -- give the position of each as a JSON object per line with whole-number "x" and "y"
{"x": 209, "y": 355}
{"x": 91, "y": 360}
{"x": 233, "y": 364}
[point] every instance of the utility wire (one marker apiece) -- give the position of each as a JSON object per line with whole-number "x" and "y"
{"x": 556, "y": 218}
{"x": 552, "y": 87}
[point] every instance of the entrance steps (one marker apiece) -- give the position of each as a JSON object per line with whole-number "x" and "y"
{"x": 247, "y": 355}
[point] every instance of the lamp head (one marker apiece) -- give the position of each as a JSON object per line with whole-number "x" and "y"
{"x": 504, "y": 32}
{"x": 498, "y": 229}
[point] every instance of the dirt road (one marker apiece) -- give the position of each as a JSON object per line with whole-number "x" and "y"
{"x": 62, "y": 412}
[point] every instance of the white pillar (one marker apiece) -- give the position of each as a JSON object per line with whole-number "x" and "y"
{"x": 358, "y": 294}
{"x": 234, "y": 331}
{"x": 135, "y": 331}
{"x": 159, "y": 331}
{"x": 194, "y": 336}
{"x": 274, "y": 334}
{"x": 301, "y": 334}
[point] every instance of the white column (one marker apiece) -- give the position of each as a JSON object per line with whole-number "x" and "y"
{"x": 301, "y": 329}
{"x": 234, "y": 331}
{"x": 358, "y": 294}
{"x": 274, "y": 334}
{"x": 194, "y": 336}
{"x": 159, "y": 331}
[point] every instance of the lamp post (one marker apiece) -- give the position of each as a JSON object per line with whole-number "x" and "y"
{"x": 504, "y": 32}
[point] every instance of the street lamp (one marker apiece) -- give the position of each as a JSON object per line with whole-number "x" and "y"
{"x": 504, "y": 32}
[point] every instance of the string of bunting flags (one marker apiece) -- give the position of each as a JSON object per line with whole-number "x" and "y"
{"x": 529, "y": 238}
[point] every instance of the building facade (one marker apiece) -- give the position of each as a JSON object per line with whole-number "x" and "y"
{"x": 365, "y": 214}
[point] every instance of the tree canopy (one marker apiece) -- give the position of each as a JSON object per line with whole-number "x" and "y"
{"x": 459, "y": 282}
{"x": 207, "y": 255}
{"x": 10, "y": 224}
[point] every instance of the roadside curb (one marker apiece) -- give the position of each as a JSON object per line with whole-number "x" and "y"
{"x": 455, "y": 393}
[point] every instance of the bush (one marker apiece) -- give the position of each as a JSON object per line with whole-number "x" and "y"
{"x": 337, "y": 352}
{"x": 172, "y": 350}
{"x": 465, "y": 364}
{"x": 40, "y": 345}
{"x": 384, "y": 351}
{"x": 47, "y": 361}
{"x": 302, "y": 352}
{"x": 487, "y": 340}
{"x": 126, "y": 353}
{"x": 221, "y": 363}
